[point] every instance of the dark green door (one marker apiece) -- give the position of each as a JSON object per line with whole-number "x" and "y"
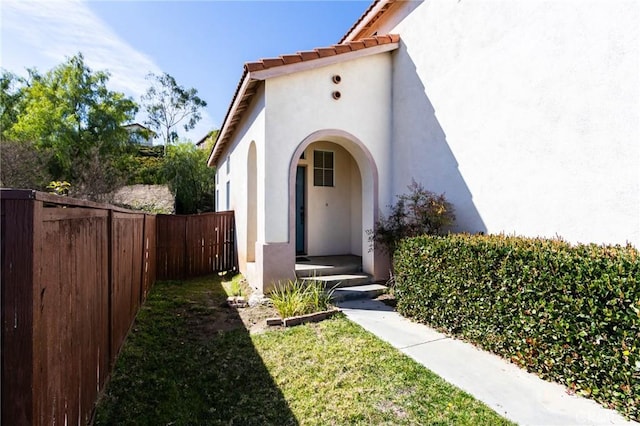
{"x": 300, "y": 211}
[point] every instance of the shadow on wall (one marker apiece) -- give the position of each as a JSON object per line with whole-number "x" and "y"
{"x": 420, "y": 149}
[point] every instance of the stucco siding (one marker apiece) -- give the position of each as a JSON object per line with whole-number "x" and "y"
{"x": 355, "y": 198}
{"x": 301, "y": 104}
{"x": 234, "y": 170}
{"x": 526, "y": 114}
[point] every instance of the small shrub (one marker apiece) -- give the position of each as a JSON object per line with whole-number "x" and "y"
{"x": 59, "y": 187}
{"x": 416, "y": 213}
{"x": 297, "y": 297}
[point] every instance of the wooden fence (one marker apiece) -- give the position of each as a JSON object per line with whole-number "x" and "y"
{"x": 191, "y": 246}
{"x": 74, "y": 274}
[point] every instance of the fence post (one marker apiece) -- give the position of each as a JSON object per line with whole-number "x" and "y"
{"x": 144, "y": 251}
{"x": 185, "y": 255}
{"x": 234, "y": 244}
{"x": 110, "y": 285}
{"x": 21, "y": 229}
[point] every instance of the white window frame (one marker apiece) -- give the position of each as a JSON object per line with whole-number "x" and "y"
{"x": 324, "y": 169}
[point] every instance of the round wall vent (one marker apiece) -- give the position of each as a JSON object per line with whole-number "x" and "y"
{"x": 336, "y": 95}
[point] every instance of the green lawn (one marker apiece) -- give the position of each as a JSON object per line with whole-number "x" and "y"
{"x": 189, "y": 360}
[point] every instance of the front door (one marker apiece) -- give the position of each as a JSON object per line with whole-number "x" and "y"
{"x": 300, "y": 210}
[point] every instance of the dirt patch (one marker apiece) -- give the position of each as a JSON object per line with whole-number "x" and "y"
{"x": 391, "y": 407}
{"x": 254, "y": 318}
{"x": 223, "y": 320}
{"x": 387, "y": 299}
{"x": 218, "y": 317}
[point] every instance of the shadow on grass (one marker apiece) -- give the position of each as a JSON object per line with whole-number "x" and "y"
{"x": 190, "y": 360}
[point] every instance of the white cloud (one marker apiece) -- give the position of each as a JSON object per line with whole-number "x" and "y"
{"x": 57, "y": 29}
{"x": 44, "y": 33}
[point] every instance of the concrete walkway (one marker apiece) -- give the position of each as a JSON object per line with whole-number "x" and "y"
{"x": 512, "y": 392}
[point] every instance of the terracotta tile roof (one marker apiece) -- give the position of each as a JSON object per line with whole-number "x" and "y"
{"x": 254, "y": 73}
{"x": 375, "y": 10}
{"x": 321, "y": 52}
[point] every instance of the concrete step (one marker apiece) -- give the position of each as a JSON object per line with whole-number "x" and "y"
{"x": 367, "y": 291}
{"x": 311, "y": 270}
{"x": 327, "y": 265}
{"x": 341, "y": 280}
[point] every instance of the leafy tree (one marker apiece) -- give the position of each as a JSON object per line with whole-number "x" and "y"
{"x": 211, "y": 140}
{"x": 189, "y": 178}
{"x": 71, "y": 111}
{"x": 168, "y": 104}
{"x": 147, "y": 166}
{"x": 10, "y": 97}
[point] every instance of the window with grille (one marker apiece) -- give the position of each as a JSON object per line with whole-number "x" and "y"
{"x": 323, "y": 168}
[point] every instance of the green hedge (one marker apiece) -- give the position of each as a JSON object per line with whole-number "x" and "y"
{"x": 571, "y": 314}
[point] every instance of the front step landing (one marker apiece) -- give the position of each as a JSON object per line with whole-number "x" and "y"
{"x": 340, "y": 280}
{"x": 367, "y": 291}
{"x": 342, "y": 274}
{"x": 328, "y": 265}
{"x": 350, "y": 286}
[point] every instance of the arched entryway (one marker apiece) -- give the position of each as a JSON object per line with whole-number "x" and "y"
{"x": 333, "y": 197}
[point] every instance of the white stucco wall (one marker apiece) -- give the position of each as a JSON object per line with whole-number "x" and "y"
{"x": 233, "y": 169}
{"x": 525, "y": 113}
{"x": 301, "y": 104}
{"x": 355, "y": 195}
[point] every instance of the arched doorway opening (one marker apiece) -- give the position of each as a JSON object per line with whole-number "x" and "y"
{"x": 333, "y": 197}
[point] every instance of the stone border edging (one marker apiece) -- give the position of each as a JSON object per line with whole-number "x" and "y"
{"x": 302, "y": 319}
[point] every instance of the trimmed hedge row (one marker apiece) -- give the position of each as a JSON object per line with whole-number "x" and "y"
{"x": 571, "y": 314}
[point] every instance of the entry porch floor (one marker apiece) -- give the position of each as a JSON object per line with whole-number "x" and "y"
{"x": 310, "y": 266}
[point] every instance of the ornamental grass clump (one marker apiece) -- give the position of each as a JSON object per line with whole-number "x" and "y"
{"x": 297, "y": 297}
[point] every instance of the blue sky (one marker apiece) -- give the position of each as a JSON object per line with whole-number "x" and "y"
{"x": 203, "y": 44}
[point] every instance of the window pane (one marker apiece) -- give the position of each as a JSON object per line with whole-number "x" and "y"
{"x": 323, "y": 164}
{"x": 228, "y": 195}
{"x": 328, "y": 178}
{"x": 328, "y": 160}
{"x": 317, "y": 177}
